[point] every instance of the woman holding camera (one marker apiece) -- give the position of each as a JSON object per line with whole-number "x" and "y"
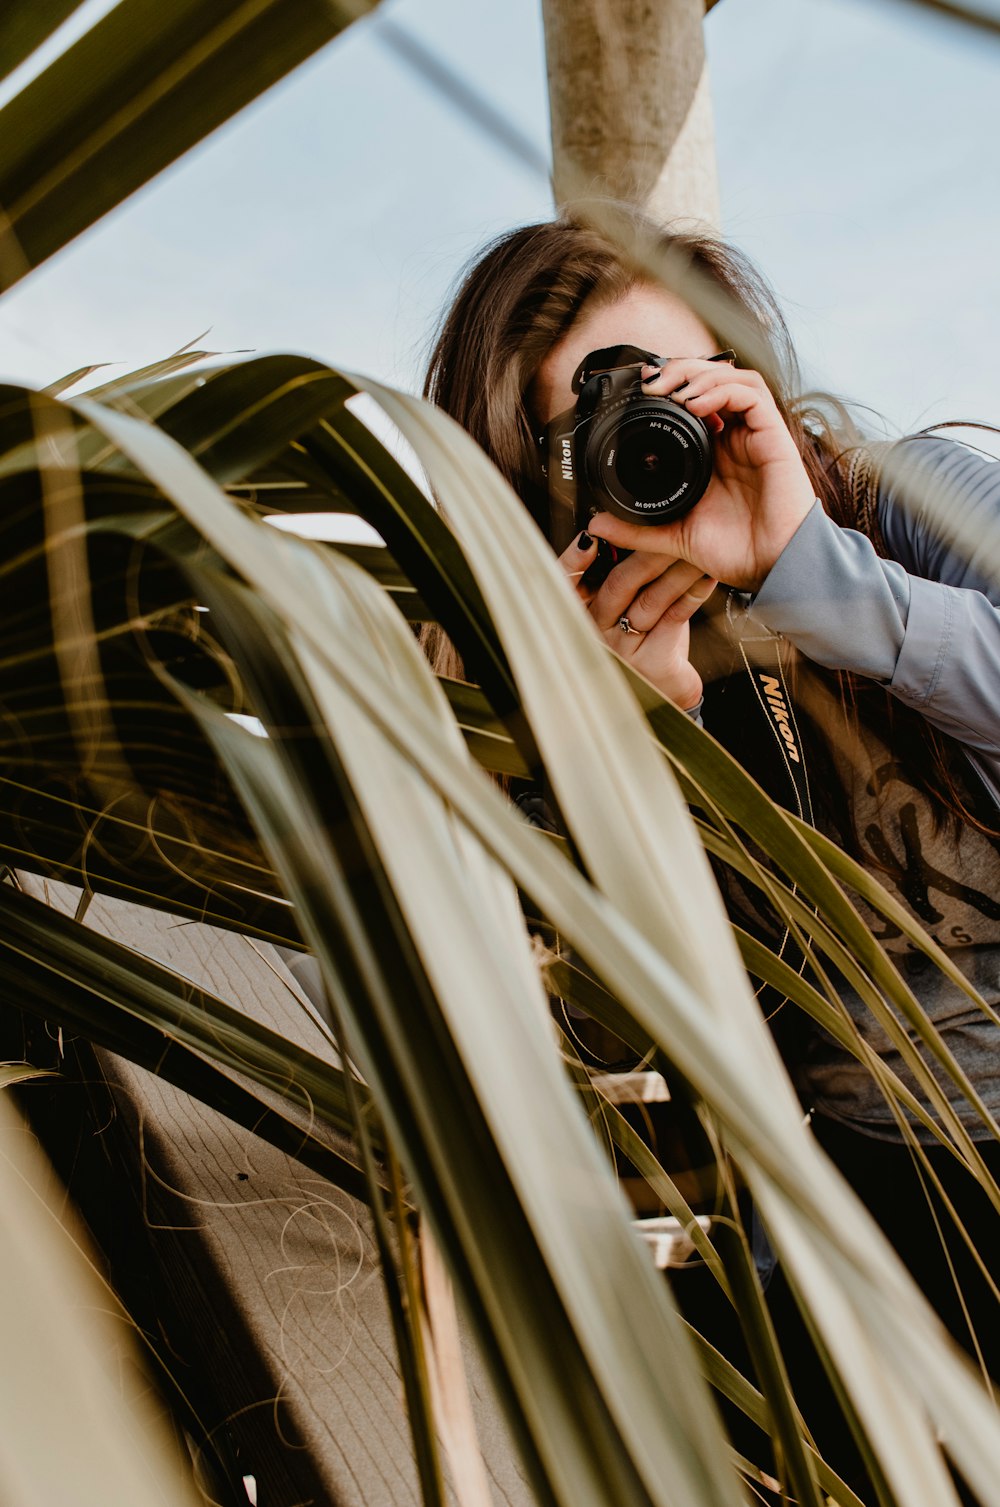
{"x": 896, "y": 639}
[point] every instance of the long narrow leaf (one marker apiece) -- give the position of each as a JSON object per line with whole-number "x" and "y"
{"x": 75, "y": 1428}
{"x": 134, "y": 93}
{"x": 25, "y": 24}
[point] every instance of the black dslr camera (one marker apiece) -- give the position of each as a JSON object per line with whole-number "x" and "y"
{"x": 622, "y": 451}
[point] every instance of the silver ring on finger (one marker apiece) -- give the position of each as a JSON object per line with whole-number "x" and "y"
{"x": 626, "y": 627}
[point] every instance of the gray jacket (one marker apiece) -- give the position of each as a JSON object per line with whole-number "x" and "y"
{"x": 925, "y": 623}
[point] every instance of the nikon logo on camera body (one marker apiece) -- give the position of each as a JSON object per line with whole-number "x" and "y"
{"x": 567, "y": 460}
{"x": 779, "y": 711}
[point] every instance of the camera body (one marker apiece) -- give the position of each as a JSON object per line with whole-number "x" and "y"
{"x": 621, "y": 450}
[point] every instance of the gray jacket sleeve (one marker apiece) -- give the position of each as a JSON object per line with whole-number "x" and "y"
{"x": 925, "y": 623}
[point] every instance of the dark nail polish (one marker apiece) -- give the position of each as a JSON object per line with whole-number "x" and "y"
{"x": 653, "y": 375}
{"x": 584, "y": 542}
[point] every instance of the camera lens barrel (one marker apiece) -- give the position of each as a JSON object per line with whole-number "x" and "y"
{"x": 647, "y": 459}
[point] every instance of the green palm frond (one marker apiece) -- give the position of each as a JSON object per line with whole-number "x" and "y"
{"x": 130, "y": 96}
{"x": 362, "y": 808}
{"x": 81, "y": 1423}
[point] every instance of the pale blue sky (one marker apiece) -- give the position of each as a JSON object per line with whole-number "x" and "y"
{"x": 857, "y": 153}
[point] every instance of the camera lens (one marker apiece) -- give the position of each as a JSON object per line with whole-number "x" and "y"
{"x": 649, "y": 464}
{"x": 649, "y": 460}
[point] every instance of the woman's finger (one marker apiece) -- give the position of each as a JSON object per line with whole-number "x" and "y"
{"x": 663, "y": 381}
{"x": 628, "y": 579}
{"x": 663, "y": 539}
{"x": 755, "y": 405}
{"x": 575, "y": 560}
{"x": 685, "y": 606}
{"x": 658, "y": 598}
{"x": 685, "y": 380}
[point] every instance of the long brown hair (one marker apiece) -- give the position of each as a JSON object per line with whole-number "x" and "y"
{"x": 521, "y": 297}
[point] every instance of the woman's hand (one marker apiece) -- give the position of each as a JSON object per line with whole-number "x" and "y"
{"x": 759, "y": 493}
{"x": 657, "y": 597}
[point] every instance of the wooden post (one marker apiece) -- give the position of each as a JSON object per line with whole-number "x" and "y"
{"x": 631, "y": 113}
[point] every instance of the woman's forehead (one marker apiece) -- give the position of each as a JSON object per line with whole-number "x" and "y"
{"x": 646, "y": 316}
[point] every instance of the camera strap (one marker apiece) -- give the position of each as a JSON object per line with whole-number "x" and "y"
{"x": 762, "y": 654}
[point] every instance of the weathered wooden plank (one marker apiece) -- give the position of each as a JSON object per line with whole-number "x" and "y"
{"x": 268, "y": 1277}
